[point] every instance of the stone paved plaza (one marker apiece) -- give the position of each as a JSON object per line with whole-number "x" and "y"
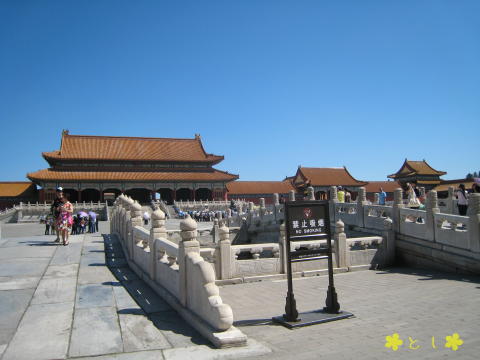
{"x": 80, "y": 301}
{"x": 413, "y": 303}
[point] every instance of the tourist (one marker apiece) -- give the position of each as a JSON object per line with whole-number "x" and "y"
{"x": 54, "y": 209}
{"x": 74, "y": 225}
{"x": 65, "y": 220}
{"x": 348, "y": 196}
{"x": 382, "y": 197}
{"x": 475, "y": 188}
{"x": 47, "y": 225}
{"x": 462, "y": 200}
{"x": 413, "y": 202}
{"x": 146, "y": 217}
{"x": 341, "y": 195}
{"x": 92, "y": 222}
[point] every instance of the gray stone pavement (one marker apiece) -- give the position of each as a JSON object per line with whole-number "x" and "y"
{"x": 411, "y": 302}
{"x": 61, "y": 302}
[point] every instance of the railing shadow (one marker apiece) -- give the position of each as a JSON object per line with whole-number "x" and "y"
{"x": 427, "y": 274}
{"x": 162, "y": 316}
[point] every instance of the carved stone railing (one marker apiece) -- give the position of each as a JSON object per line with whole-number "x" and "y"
{"x": 413, "y": 222}
{"x": 178, "y": 273}
{"x": 347, "y": 212}
{"x": 375, "y": 215}
{"x": 453, "y": 230}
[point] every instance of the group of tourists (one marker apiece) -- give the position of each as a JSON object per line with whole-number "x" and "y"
{"x": 344, "y": 195}
{"x": 62, "y": 221}
{"x": 84, "y": 222}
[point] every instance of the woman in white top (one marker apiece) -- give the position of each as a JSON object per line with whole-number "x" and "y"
{"x": 462, "y": 200}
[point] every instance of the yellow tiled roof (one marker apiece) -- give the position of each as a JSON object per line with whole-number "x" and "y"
{"x": 14, "y": 189}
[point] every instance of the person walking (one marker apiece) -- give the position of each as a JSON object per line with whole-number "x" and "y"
{"x": 54, "y": 210}
{"x": 462, "y": 200}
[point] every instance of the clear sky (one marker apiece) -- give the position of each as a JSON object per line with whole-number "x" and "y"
{"x": 269, "y": 84}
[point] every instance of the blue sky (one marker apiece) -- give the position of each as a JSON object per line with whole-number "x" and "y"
{"x": 268, "y": 84}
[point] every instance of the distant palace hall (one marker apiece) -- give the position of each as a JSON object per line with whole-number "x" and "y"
{"x": 91, "y": 168}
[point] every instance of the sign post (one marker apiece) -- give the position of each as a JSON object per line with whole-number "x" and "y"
{"x": 306, "y": 221}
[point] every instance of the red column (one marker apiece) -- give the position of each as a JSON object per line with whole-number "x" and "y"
{"x": 79, "y": 197}
{"x": 41, "y": 195}
{"x": 192, "y": 194}
{"x": 174, "y": 195}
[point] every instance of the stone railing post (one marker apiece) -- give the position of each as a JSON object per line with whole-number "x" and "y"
{"x": 224, "y": 260}
{"x": 276, "y": 199}
{"x": 397, "y": 205}
{"x": 135, "y": 220}
{"x": 450, "y": 201}
{"x": 332, "y": 202}
{"x": 214, "y": 233}
{"x": 474, "y": 222}
{"x": 376, "y": 198}
{"x": 263, "y": 209}
{"x": 126, "y": 226}
{"x": 189, "y": 244}
{"x": 361, "y": 202}
{"x": 282, "y": 244}
{"x": 388, "y": 243}
{"x": 291, "y": 195}
{"x": 431, "y": 207}
{"x": 158, "y": 230}
{"x": 276, "y": 206}
{"x": 342, "y": 255}
{"x": 310, "y": 193}
{"x": 250, "y": 213}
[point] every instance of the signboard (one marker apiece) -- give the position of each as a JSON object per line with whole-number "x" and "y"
{"x": 307, "y": 221}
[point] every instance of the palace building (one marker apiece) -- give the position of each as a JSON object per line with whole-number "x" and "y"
{"x": 419, "y": 173}
{"x": 94, "y": 168}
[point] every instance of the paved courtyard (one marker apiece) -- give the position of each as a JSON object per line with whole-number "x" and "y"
{"x": 80, "y": 301}
{"x": 413, "y": 303}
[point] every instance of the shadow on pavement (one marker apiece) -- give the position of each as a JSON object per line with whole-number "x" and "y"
{"x": 162, "y": 316}
{"x": 426, "y": 274}
{"x": 254, "y": 322}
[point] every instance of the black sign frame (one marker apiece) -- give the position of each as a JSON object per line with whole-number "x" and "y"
{"x": 311, "y": 210}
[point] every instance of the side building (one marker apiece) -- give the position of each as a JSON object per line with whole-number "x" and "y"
{"x": 14, "y": 192}
{"x": 93, "y": 168}
{"x": 323, "y": 178}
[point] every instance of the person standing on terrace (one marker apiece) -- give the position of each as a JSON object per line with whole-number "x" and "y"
{"x": 462, "y": 200}
{"x": 382, "y": 197}
{"x": 341, "y": 195}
